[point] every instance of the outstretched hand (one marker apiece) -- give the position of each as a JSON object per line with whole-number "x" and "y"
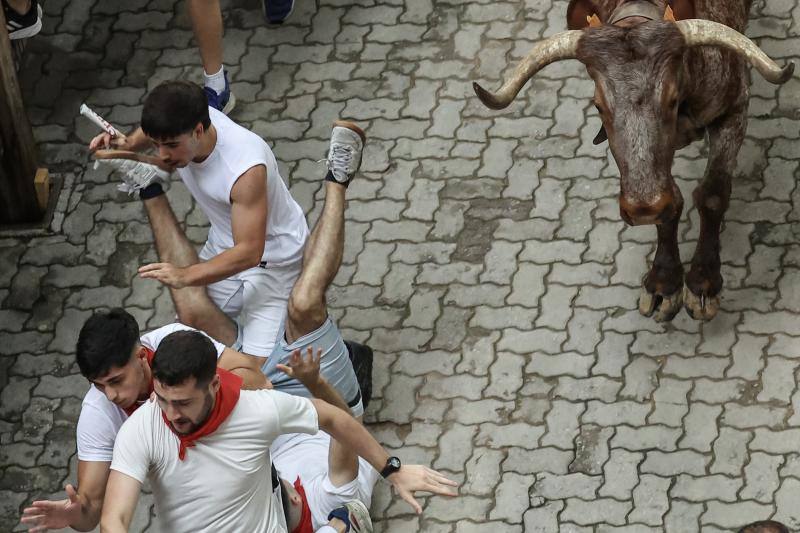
{"x": 303, "y": 369}
{"x": 166, "y": 273}
{"x": 412, "y": 478}
{"x": 44, "y": 514}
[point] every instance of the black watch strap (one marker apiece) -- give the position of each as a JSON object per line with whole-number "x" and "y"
{"x": 392, "y": 465}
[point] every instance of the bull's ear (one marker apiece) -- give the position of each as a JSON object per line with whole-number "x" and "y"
{"x": 579, "y": 13}
{"x": 682, "y": 9}
{"x": 601, "y": 136}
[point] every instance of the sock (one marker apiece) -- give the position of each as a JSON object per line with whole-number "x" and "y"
{"x": 151, "y": 191}
{"x": 342, "y": 514}
{"x": 329, "y": 177}
{"x": 215, "y": 81}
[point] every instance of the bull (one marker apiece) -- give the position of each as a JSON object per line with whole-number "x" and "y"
{"x": 666, "y": 73}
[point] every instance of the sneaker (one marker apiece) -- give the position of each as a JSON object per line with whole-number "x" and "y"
{"x": 23, "y": 26}
{"x": 136, "y": 175}
{"x": 344, "y": 155}
{"x": 361, "y": 357}
{"x": 276, "y": 11}
{"x": 224, "y": 101}
{"x": 355, "y": 515}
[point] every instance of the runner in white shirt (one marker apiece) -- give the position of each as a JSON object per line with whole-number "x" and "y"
{"x": 204, "y": 446}
{"x": 116, "y": 360}
{"x": 255, "y": 244}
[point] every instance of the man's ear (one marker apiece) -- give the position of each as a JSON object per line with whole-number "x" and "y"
{"x": 141, "y": 353}
{"x": 682, "y": 9}
{"x": 213, "y": 387}
{"x": 579, "y": 12}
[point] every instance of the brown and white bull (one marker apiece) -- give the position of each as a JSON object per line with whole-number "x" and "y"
{"x": 665, "y": 75}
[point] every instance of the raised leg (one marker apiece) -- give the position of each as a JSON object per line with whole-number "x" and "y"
{"x": 207, "y": 25}
{"x": 192, "y": 304}
{"x": 704, "y": 281}
{"x": 323, "y": 254}
{"x": 662, "y": 285}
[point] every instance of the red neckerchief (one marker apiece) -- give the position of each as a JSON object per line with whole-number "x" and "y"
{"x": 305, "y": 525}
{"x": 149, "y": 354}
{"x": 228, "y": 394}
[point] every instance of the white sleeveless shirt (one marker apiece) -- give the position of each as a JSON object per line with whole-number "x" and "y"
{"x": 211, "y": 181}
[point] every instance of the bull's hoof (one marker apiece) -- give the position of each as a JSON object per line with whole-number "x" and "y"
{"x": 662, "y": 308}
{"x": 700, "y": 307}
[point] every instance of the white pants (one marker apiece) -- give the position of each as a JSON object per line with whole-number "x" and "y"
{"x": 256, "y": 299}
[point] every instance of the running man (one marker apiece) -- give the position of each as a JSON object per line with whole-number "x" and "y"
{"x": 116, "y": 360}
{"x": 204, "y": 447}
{"x": 253, "y": 253}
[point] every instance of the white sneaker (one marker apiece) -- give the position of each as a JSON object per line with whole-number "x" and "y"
{"x": 344, "y": 155}
{"x": 358, "y": 514}
{"x": 136, "y": 175}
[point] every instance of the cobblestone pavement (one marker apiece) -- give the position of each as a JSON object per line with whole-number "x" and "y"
{"x": 485, "y": 262}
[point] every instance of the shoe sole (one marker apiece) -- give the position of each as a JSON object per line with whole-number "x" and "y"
{"x": 30, "y": 31}
{"x": 360, "y": 511}
{"x": 227, "y": 108}
{"x": 351, "y": 126}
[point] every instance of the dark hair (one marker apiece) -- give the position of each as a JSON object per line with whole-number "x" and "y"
{"x": 182, "y": 355}
{"x": 174, "y": 108}
{"x": 765, "y": 526}
{"x": 106, "y": 341}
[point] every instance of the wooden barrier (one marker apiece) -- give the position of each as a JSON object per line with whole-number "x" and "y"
{"x": 19, "y": 176}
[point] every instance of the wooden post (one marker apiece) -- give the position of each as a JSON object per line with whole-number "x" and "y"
{"x": 18, "y": 199}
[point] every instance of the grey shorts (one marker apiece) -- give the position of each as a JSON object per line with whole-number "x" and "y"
{"x": 335, "y": 365}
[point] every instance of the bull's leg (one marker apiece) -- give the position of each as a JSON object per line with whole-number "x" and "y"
{"x": 704, "y": 281}
{"x": 662, "y": 285}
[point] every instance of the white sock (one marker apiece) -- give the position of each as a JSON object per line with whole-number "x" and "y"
{"x": 215, "y": 81}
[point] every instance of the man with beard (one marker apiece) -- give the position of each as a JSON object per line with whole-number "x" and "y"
{"x": 204, "y": 446}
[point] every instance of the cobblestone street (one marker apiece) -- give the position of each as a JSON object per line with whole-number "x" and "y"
{"x": 485, "y": 262}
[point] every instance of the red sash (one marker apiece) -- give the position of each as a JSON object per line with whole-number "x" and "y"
{"x": 228, "y": 394}
{"x": 305, "y": 525}
{"x": 150, "y": 353}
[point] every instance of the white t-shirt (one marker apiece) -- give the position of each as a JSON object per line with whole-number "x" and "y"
{"x": 101, "y": 418}
{"x": 306, "y": 457}
{"x": 224, "y": 483}
{"x": 210, "y": 183}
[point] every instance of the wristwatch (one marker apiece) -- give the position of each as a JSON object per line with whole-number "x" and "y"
{"x": 392, "y": 466}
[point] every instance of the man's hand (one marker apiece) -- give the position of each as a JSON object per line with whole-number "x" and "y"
{"x": 166, "y": 273}
{"x": 43, "y": 514}
{"x": 303, "y": 369}
{"x": 411, "y": 478}
{"x": 105, "y": 141}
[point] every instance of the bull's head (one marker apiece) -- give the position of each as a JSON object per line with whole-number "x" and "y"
{"x": 640, "y": 86}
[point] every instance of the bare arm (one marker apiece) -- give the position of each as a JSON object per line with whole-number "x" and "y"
{"x": 122, "y": 495}
{"x": 342, "y": 460}
{"x": 410, "y": 478}
{"x": 248, "y": 223}
{"x": 80, "y": 510}
{"x": 248, "y": 367}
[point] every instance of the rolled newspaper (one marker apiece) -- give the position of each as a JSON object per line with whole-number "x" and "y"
{"x": 100, "y": 121}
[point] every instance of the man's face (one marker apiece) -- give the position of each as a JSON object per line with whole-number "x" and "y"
{"x": 186, "y": 405}
{"x": 178, "y": 151}
{"x": 123, "y": 385}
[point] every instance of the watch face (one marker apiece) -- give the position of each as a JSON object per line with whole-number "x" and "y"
{"x": 394, "y": 462}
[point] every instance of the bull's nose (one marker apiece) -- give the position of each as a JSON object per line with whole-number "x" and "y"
{"x": 638, "y": 213}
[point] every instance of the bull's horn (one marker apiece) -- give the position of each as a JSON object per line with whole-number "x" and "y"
{"x": 699, "y": 32}
{"x": 560, "y": 46}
